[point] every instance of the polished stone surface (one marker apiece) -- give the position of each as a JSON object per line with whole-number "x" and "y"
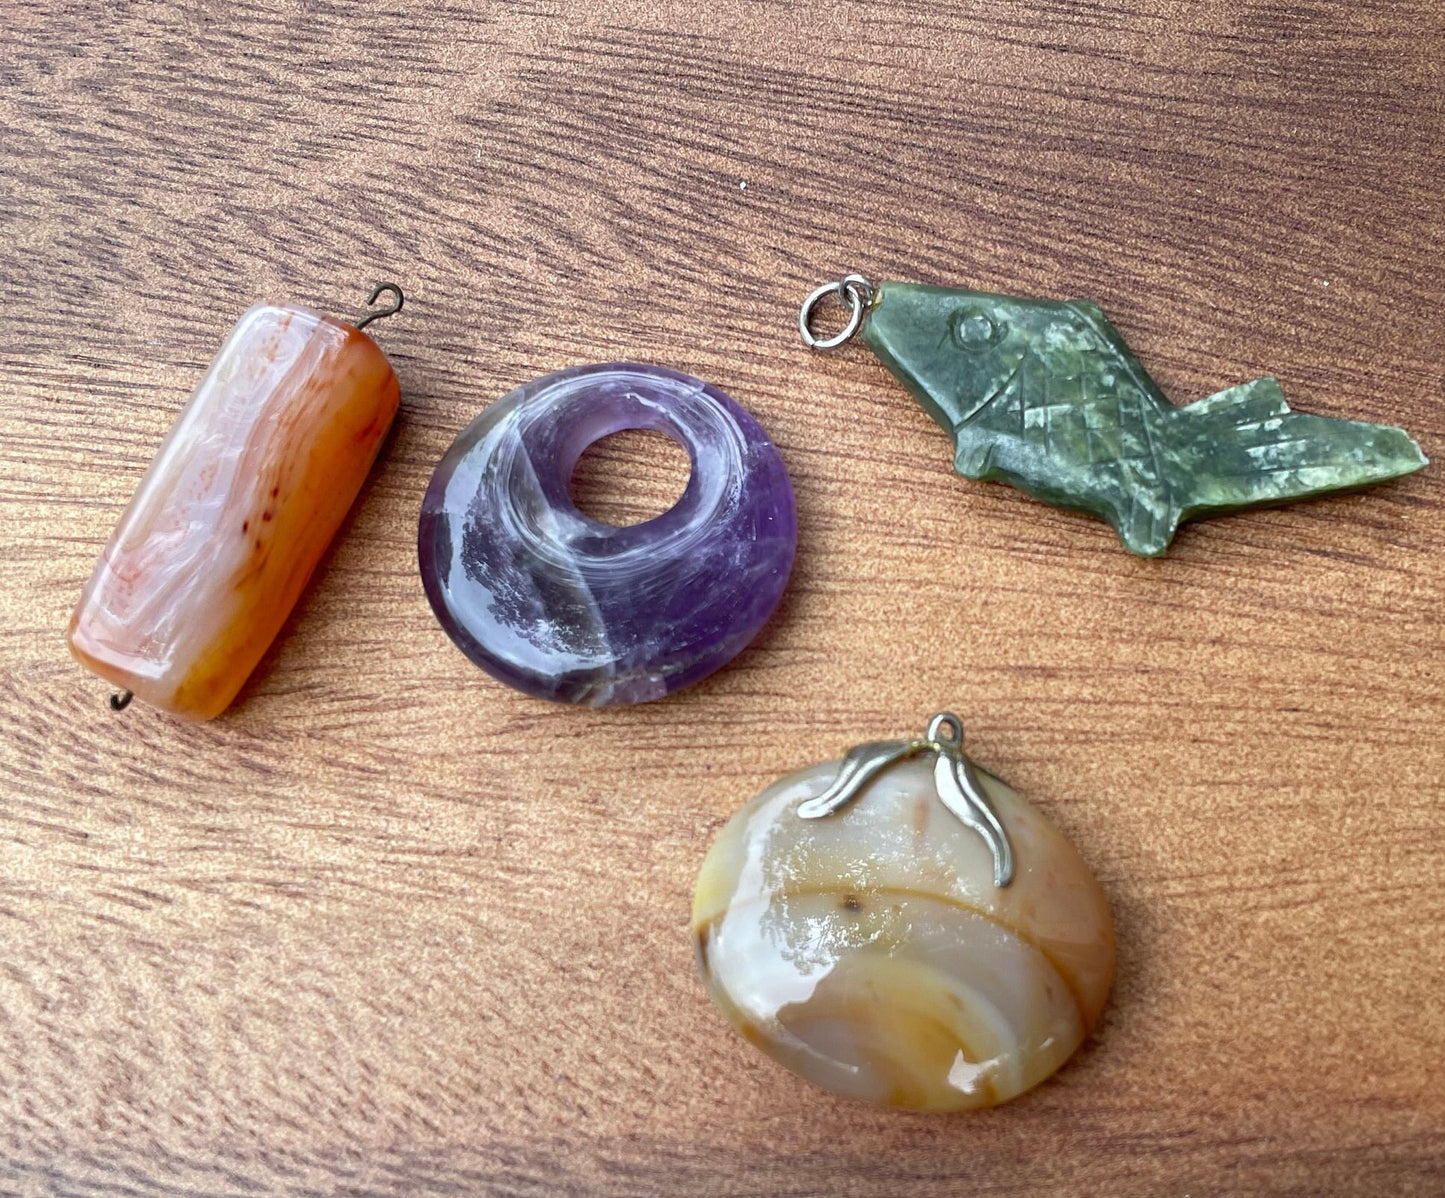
{"x": 236, "y": 509}
{"x": 871, "y": 951}
{"x": 1047, "y": 396}
{"x": 564, "y": 607}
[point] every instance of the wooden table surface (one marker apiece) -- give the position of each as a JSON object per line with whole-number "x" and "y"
{"x": 388, "y": 928}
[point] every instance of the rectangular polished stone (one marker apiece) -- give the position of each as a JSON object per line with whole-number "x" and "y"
{"x": 236, "y": 510}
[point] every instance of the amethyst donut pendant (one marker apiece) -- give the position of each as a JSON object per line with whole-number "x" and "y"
{"x": 564, "y": 607}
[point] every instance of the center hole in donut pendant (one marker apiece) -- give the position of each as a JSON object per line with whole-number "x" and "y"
{"x": 630, "y": 476}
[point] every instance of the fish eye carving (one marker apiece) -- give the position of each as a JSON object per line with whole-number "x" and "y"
{"x": 974, "y": 329}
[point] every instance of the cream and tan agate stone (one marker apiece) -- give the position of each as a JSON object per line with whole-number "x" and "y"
{"x": 871, "y": 952}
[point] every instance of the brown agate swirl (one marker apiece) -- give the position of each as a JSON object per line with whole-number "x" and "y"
{"x": 874, "y": 952}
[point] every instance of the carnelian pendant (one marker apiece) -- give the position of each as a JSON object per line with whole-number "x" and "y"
{"x": 237, "y": 508}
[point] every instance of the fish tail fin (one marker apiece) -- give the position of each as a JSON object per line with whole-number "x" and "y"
{"x": 1249, "y": 449}
{"x": 1256, "y": 400}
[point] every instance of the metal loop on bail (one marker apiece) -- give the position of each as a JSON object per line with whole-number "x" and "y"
{"x": 853, "y": 290}
{"x": 954, "y": 780}
{"x": 946, "y": 721}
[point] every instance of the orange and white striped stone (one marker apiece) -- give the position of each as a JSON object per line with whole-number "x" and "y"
{"x": 236, "y": 510}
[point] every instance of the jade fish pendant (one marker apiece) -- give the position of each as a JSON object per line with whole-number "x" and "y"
{"x": 1046, "y": 395}
{"x": 899, "y": 926}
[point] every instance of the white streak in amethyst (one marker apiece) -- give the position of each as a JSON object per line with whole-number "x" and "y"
{"x": 561, "y": 606}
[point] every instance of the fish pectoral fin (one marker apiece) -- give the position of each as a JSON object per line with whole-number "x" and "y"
{"x": 1145, "y": 531}
{"x": 975, "y": 456}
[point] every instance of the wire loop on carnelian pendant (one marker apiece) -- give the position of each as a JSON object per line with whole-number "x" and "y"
{"x": 380, "y": 313}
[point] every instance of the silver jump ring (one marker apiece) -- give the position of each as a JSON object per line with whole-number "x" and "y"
{"x": 853, "y": 290}
{"x": 946, "y": 721}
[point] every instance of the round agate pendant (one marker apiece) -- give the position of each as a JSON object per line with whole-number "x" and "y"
{"x": 564, "y": 607}
{"x": 901, "y": 927}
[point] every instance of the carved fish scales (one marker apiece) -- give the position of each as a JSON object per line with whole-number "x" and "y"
{"x": 1046, "y": 395}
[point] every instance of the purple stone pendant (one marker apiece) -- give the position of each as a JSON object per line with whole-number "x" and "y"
{"x": 561, "y": 606}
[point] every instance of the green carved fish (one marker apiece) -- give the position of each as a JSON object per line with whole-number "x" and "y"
{"x": 1045, "y": 395}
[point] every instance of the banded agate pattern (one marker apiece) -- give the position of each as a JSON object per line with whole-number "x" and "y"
{"x": 871, "y": 952}
{"x": 236, "y": 510}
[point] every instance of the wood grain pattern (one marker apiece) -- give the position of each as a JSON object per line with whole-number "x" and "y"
{"x": 388, "y": 929}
